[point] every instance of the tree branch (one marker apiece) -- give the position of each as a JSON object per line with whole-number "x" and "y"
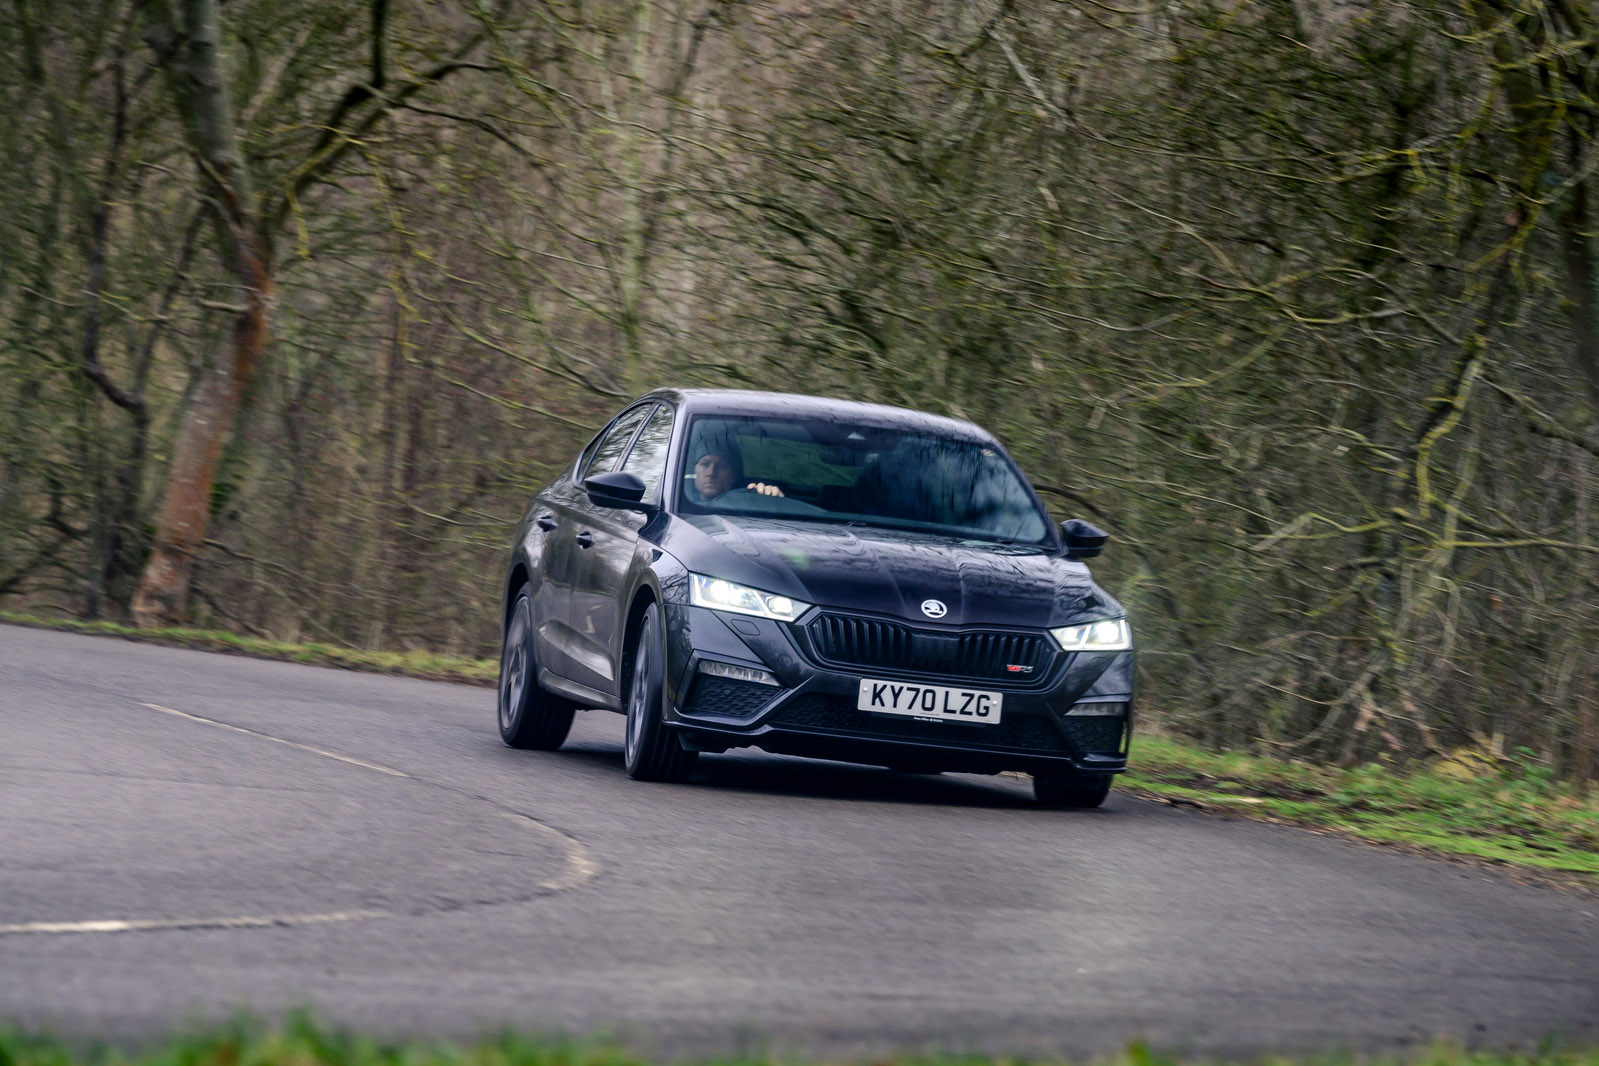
{"x": 1541, "y": 424}
{"x": 336, "y": 141}
{"x": 99, "y": 226}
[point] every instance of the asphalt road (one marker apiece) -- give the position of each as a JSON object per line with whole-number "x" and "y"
{"x": 185, "y": 834}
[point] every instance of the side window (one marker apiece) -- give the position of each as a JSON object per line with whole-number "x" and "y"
{"x": 603, "y": 461}
{"x": 647, "y": 460}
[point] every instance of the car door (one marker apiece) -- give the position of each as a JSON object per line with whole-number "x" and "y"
{"x": 604, "y": 564}
{"x": 563, "y": 513}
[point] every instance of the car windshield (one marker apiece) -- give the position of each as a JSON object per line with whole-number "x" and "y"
{"x": 838, "y": 472}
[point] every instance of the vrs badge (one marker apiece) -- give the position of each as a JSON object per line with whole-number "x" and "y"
{"x": 934, "y": 608}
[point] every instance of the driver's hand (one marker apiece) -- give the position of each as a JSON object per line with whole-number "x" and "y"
{"x": 764, "y": 489}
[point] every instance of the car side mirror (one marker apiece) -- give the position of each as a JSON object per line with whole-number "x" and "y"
{"x": 616, "y": 489}
{"x": 1083, "y": 539}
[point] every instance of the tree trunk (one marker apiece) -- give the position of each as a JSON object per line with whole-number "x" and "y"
{"x": 1580, "y": 250}
{"x": 190, "y": 52}
{"x": 181, "y": 529}
{"x": 1542, "y": 122}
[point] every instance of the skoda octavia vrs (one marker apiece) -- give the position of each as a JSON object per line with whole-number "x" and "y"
{"x": 814, "y": 577}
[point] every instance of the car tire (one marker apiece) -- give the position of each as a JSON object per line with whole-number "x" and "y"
{"x": 651, "y": 751}
{"x": 530, "y": 717}
{"x": 1069, "y": 789}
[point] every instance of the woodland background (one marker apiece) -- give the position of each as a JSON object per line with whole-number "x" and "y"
{"x": 301, "y": 299}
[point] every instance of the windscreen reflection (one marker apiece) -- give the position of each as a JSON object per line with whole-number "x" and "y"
{"x": 828, "y": 472}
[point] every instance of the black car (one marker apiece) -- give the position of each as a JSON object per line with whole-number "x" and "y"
{"x": 814, "y": 577}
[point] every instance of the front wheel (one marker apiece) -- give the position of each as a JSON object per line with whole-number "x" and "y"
{"x": 1067, "y": 788}
{"x": 651, "y": 751}
{"x": 529, "y": 716}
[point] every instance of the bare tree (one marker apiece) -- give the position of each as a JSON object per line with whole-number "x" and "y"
{"x": 187, "y": 41}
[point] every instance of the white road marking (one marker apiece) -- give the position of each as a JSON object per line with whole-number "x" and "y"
{"x": 580, "y": 869}
{"x": 133, "y": 925}
{"x": 278, "y": 740}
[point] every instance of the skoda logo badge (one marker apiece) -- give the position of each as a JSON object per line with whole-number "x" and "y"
{"x": 934, "y": 608}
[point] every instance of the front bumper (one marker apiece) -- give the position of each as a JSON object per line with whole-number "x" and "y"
{"x": 1075, "y": 713}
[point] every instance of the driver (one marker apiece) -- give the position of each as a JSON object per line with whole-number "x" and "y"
{"x": 714, "y": 475}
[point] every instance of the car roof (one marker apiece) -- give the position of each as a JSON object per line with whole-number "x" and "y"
{"x": 754, "y": 403}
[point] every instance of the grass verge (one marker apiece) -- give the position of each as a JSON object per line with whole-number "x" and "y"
{"x": 1503, "y": 812}
{"x": 302, "y": 1043}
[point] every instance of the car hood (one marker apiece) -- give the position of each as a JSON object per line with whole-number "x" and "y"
{"x": 889, "y": 572}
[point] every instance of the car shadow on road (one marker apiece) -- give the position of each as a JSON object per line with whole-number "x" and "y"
{"x": 828, "y": 780}
{"x": 758, "y": 772}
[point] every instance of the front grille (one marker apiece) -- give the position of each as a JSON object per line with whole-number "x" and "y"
{"x": 723, "y": 695}
{"x": 1021, "y": 733}
{"x": 985, "y": 655}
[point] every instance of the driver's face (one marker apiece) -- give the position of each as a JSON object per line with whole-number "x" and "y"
{"x": 713, "y": 475}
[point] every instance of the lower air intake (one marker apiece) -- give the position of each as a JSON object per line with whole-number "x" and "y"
{"x": 724, "y": 696}
{"x": 1098, "y": 735}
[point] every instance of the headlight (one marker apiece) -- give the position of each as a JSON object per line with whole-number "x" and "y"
{"x": 1111, "y": 635}
{"x": 723, "y": 595}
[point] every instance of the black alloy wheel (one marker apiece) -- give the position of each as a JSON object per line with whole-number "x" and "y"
{"x": 651, "y": 751}
{"x": 1067, "y": 788}
{"x": 529, "y": 716}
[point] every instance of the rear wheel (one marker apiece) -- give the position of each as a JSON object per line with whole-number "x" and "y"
{"x": 652, "y": 751}
{"x": 529, "y": 716}
{"x": 1067, "y": 788}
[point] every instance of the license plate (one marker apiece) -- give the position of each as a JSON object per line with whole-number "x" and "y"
{"x": 929, "y": 701}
